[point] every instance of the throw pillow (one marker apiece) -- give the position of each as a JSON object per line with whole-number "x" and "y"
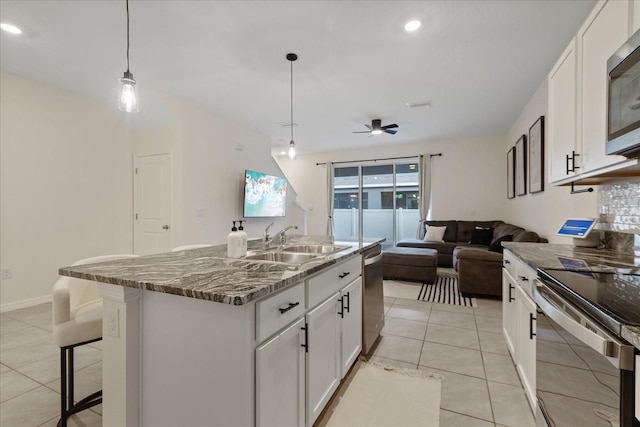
{"x": 482, "y": 236}
{"x": 496, "y": 245}
{"x": 434, "y": 234}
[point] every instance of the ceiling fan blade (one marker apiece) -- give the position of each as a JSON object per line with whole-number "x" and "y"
{"x": 391, "y": 126}
{"x": 392, "y": 132}
{"x": 369, "y": 127}
{"x": 364, "y": 131}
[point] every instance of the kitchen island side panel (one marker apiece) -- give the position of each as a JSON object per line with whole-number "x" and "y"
{"x": 197, "y": 362}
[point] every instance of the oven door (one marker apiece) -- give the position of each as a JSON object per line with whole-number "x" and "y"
{"x": 578, "y": 366}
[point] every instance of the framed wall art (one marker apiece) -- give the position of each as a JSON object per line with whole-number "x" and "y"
{"x": 536, "y": 156}
{"x": 511, "y": 174}
{"x": 521, "y": 166}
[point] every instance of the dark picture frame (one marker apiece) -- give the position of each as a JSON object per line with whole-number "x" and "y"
{"x": 511, "y": 174}
{"x": 521, "y": 166}
{"x": 536, "y": 156}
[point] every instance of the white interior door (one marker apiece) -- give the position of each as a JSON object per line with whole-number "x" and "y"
{"x": 152, "y": 204}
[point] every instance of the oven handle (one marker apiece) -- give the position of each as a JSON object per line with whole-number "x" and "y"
{"x": 607, "y": 346}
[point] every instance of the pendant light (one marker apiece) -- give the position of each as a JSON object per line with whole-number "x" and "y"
{"x": 292, "y": 145}
{"x": 128, "y": 93}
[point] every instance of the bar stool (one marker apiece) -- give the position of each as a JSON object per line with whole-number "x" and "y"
{"x": 77, "y": 320}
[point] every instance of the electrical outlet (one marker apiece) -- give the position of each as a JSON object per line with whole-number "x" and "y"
{"x": 113, "y": 322}
{"x": 6, "y": 273}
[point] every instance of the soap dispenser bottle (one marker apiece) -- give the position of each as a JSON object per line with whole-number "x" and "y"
{"x": 234, "y": 243}
{"x": 243, "y": 237}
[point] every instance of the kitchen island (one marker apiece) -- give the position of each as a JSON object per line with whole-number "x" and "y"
{"x": 195, "y": 338}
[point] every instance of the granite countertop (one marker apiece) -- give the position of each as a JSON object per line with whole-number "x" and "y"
{"x": 208, "y": 274}
{"x": 567, "y": 257}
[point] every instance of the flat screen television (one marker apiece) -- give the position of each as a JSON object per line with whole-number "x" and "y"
{"x": 264, "y": 195}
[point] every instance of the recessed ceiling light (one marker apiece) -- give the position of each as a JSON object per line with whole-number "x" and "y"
{"x": 283, "y": 153}
{"x": 10, "y": 28}
{"x": 412, "y": 25}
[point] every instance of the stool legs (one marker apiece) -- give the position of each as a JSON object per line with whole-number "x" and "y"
{"x": 67, "y": 407}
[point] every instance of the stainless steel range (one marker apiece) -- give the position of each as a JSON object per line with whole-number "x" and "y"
{"x": 584, "y": 369}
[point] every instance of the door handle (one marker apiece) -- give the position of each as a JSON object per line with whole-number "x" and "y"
{"x": 510, "y": 288}
{"x": 165, "y": 227}
{"x": 341, "y": 312}
{"x": 348, "y": 297}
{"x": 343, "y": 275}
{"x": 531, "y": 320}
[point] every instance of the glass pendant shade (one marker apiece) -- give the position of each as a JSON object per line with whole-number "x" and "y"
{"x": 128, "y": 98}
{"x": 292, "y": 150}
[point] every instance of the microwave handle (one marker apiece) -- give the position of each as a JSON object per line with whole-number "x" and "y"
{"x": 606, "y": 346}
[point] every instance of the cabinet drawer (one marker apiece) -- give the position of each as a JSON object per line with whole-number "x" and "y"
{"x": 335, "y": 278}
{"x": 509, "y": 262}
{"x": 276, "y": 312}
{"x": 525, "y": 277}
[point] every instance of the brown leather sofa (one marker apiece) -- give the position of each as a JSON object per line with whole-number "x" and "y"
{"x": 479, "y": 269}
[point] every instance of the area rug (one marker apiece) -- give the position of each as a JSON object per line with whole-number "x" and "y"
{"x": 445, "y": 291}
{"x": 383, "y": 396}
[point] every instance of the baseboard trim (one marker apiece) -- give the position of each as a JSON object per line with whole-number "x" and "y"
{"x": 25, "y": 303}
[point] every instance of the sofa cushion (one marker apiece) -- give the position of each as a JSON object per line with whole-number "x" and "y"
{"x": 482, "y": 236}
{"x": 441, "y": 247}
{"x": 435, "y": 233}
{"x": 465, "y": 229}
{"x": 505, "y": 230}
{"x": 496, "y": 245}
{"x": 526, "y": 236}
{"x": 450, "y": 233}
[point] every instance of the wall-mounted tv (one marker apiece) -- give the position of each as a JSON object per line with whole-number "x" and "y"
{"x": 264, "y": 195}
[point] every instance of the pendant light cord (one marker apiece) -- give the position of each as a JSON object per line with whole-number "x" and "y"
{"x": 291, "y": 100}
{"x": 127, "y": 36}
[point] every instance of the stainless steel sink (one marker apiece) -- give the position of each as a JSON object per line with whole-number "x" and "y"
{"x": 314, "y": 249}
{"x": 283, "y": 257}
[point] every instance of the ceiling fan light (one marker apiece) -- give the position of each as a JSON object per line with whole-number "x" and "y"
{"x": 10, "y": 28}
{"x": 376, "y": 132}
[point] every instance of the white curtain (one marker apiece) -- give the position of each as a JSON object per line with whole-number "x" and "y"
{"x": 425, "y": 191}
{"x": 330, "y": 228}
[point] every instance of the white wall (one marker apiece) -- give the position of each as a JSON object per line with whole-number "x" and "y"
{"x": 215, "y": 152}
{"x": 468, "y": 180}
{"x": 544, "y": 212}
{"x": 66, "y": 185}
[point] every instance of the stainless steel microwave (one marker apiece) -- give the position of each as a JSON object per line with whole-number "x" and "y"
{"x": 623, "y": 100}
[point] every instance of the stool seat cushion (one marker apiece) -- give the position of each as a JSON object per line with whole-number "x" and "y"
{"x": 85, "y": 325}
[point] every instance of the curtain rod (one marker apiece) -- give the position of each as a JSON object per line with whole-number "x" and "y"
{"x": 378, "y": 160}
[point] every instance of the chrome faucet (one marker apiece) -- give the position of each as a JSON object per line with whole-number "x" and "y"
{"x": 283, "y": 236}
{"x": 266, "y": 240}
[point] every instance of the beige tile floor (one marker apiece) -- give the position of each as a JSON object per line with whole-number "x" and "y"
{"x": 481, "y": 387}
{"x": 465, "y": 345}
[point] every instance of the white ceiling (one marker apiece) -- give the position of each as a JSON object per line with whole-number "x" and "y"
{"x": 478, "y": 62}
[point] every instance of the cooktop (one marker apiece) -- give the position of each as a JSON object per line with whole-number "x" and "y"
{"x": 613, "y": 299}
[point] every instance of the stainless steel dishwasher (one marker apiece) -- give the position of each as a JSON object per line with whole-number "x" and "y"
{"x": 373, "y": 298}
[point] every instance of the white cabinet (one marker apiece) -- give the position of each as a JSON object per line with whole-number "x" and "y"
{"x": 323, "y": 354}
{"x": 577, "y": 95}
{"x": 638, "y": 387}
{"x": 605, "y": 30}
{"x": 351, "y": 324}
{"x": 509, "y": 312}
{"x": 280, "y": 379}
{"x": 562, "y": 120}
{"x": 526, "y": 355}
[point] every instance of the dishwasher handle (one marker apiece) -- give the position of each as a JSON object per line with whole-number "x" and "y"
{"x": 578, "y": 325}
{"x": 373, "y": 260}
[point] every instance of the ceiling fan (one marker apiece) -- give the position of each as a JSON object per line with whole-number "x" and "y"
{"x": 376, "y": 128}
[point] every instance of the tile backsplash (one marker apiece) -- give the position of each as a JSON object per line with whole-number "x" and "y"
{"x": 619, "y": 209}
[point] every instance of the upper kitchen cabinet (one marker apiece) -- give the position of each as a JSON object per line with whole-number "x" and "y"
{"x": 562, "y": 119}
{"x": 604, "y": 31}
{"x": 577, "y": 89}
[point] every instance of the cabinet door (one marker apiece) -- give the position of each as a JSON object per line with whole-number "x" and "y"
{"x": 351, "y": 322}
{"x": 280, "y": 365}
{"x": 323, "y": 353}
{"x": 509, "y": 312}
{"x": 562, "y": 120}
{"x": 526, "y": 359}
{"x": 604, "y": 31}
